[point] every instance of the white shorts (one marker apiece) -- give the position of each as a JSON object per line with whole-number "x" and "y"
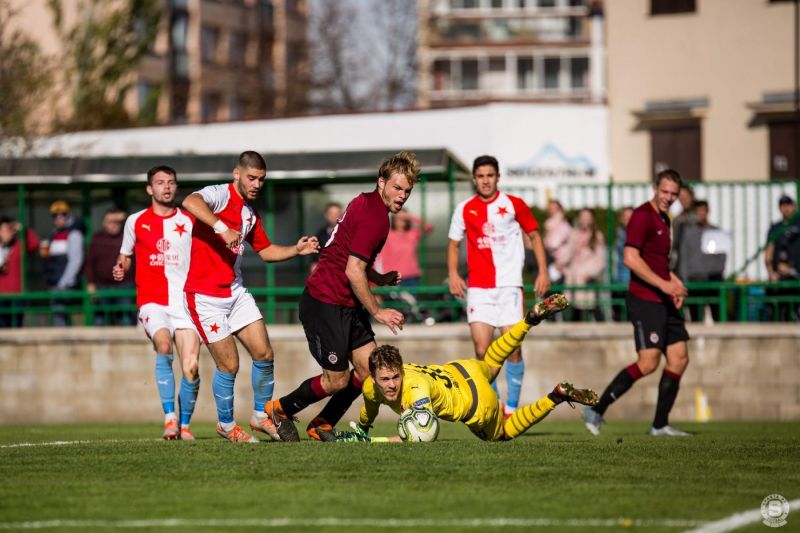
{"x": 155, "y": 317}
{"x": 217, "y": 318}
{"x": 503, "y": 306}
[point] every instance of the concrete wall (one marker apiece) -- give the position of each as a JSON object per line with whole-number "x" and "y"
{"x": 748, "y": 372}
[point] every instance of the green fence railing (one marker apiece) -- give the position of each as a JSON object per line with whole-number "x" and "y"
{"x": 727, "y": 301}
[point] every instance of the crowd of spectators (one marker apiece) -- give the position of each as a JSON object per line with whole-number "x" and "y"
{"x": 576, "y": 249}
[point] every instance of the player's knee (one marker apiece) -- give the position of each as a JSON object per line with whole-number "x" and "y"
{"x": 647, "y": 366}
{"x": 229, "y": 367}
{"x": 336, "y": 382}
{"x": 163, "y": 346}
{"x": 191, "y": 370}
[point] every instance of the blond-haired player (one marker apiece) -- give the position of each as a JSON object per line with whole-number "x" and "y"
{"x": 461, "y": 391}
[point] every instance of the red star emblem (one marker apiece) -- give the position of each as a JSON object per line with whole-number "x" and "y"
{"x": 181, "y": 229}
{"x": 502, "y": 211}
{"x": 214, "y": 328}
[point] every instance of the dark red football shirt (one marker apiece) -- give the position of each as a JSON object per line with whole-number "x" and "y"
{"x": 361, "y": 232}
{"x": 649, "y": 232}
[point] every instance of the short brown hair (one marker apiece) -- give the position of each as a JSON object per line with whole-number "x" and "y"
{"x": 385, "y": 356}
{"x": 402, "y": 163}
{"x": 671, "y": 175}
{"x": 160, "y": 168}
{"x": 251, "y": 159}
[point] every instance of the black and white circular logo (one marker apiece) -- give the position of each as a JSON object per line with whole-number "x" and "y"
{"x": 654, "y": 337}
{"x": 332, "y": 357}
{"x": 774, "y": 509}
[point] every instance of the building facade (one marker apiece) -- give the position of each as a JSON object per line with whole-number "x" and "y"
{"x": 474, "y": 51}
{"x": 703, "y": 86}
{"x": 212, "y": 60}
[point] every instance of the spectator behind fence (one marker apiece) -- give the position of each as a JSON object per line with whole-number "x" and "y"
{"x": 11, "y": 268}
{"x": 621, "y": 274}
{"x": 63, "y": 257}
{"x": 586, "y": 263}
{"x": 401, "y": 250}
{"x": 782, "y": 256}
{"x": 100, "y": 261}
{"x": 686, "y": 216}
{"x": 699, "y": 261}
{"x": 557, "y": 231}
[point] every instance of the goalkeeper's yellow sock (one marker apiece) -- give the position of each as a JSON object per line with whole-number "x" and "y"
{"x": 525, "y": 417}
{"x": 503, "y": 346}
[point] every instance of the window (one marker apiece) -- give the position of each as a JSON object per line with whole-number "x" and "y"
{"x": 236, "y": 49}
{"x": 677, "y": 147}
{"x": 547, "y": 4}
{"x": 552, "y": 68}
{"x": 209, "y": 40}
{"x": 668, "y": 7}
{"x": 497, "y": 4}
{"x": 235, "y": 108}
{"x": 494, "y": 79}
{"x": 579, "y": 69}
{"x": 209, "y": 106}
{"x": 180, "y": 22}
{"x": 441, "y": 75}
{"x": 525, "y": 73}
{"x": 469, "y": 74}
{"x": 783, "y": 150}
{"x": 179, "y": 101}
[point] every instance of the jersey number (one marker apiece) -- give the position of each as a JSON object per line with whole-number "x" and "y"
{"x": 435, "y": 373}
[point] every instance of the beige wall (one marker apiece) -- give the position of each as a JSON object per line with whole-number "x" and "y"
{"x": 730, "y": 51}
{"x": 88, "y": 374}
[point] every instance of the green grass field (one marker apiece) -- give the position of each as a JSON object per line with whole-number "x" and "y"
{"x": 556, "y": 477}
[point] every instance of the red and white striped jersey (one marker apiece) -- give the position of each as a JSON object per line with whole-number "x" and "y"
{"x": 162, "y": 246}
{"x": 215, "y": 269}
{"x": 495, "y": 252}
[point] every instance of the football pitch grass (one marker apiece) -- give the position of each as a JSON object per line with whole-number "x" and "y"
{"x": 556, "y": 477}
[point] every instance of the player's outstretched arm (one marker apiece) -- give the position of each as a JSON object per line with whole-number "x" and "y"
{"x": 356, "y": 271}
{"x": 275, "y": 252}
{"x": 197, "y": 206}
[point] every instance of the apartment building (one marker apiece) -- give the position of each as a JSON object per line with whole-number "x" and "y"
{"x": 212, "y": 60}
{"x": 474, "y": 51}
{"x": 704, "y": 86}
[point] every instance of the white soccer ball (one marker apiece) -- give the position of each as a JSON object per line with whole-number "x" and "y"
{"x": 418, "y": 424}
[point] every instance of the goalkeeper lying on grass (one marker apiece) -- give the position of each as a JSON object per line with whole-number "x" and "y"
{"x": 460, "y": 391}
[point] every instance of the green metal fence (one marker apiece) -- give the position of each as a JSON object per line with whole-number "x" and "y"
{"x": 728, "y": 301}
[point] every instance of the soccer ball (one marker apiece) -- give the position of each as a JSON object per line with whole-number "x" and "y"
{"x": 418, "y": 424}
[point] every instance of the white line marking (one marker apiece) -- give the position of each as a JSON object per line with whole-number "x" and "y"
{"x": 735, "y": 521}
{"x": 378, "y": 523}
{"x": 70, "y": 442}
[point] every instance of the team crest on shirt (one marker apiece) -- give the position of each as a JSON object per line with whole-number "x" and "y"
{"x": 332, "y": 357}
{"x": 654, "y": 337}
{"x": 163, "y": 245}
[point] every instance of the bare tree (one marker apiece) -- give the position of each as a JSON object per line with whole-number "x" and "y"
{"x": 101, "y": 53}
{"x": 25, "y": 76}
{"x": 363, "y": 54}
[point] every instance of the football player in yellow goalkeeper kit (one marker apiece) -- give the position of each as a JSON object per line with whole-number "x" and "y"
{"x": 461, "y": 391}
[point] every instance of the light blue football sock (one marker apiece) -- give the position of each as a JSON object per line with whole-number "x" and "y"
{"x": 187, "y": 398}
{"x": 514, "y": 374}
{"x": 222, "y": 386}
{"x": 165, "y": 381}
{"x": 263, "y": 379}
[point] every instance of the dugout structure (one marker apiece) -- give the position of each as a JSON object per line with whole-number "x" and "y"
{"x": 298, "y": 187}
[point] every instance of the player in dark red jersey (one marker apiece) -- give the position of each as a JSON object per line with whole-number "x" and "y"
{"x": 654, "y": 296}
{"x": 337, "y": 303}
